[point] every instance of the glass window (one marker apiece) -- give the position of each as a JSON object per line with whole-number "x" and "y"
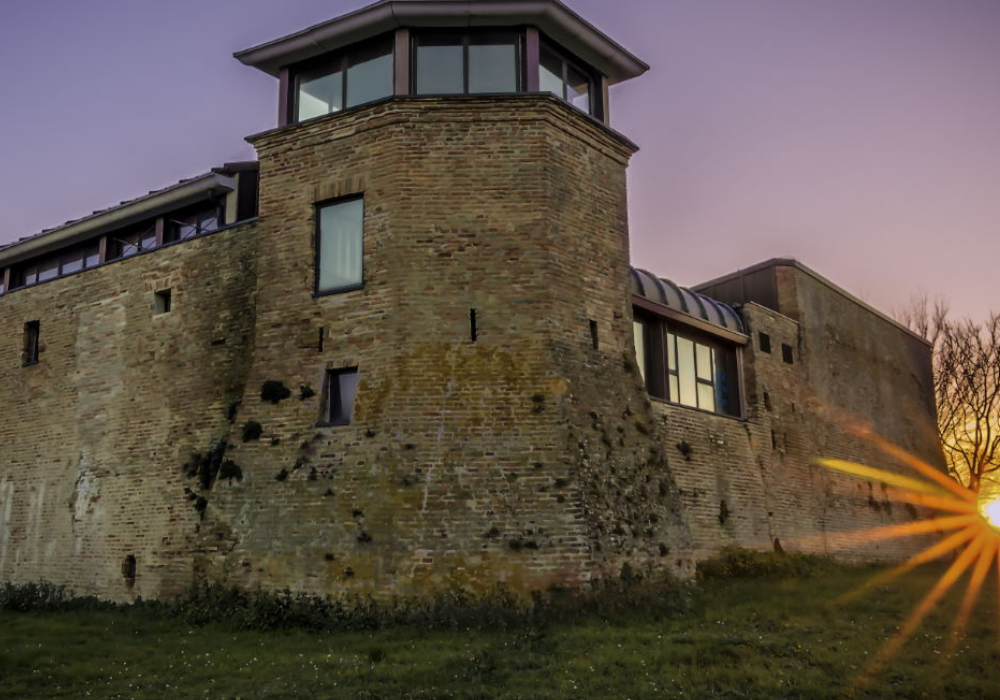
{"x": 320, "y": 92}
{"x": 693, "y": 370}
{"x": 578, "y": 88}
{"x": 639, "y": 337}
{"x": 493, "y": 62}
{"x": 3, "y": 287}
{"x": 92, "y": 255}
{"x": 550, "y": 73}
{"x": 29, "y": 275}
{"x": 48, "y": 269}
{"x": 72, "y": 262}
{"x": 341, "y": 389}
{"x": 451, "y": 63}
{"x": 564, "y": 79}
{"x": 369, "y": 73}
{"x": 363, "y": 74}
{"x": 339, "y": 245}
{"x": 440, "y": 64}
{"x": 182, "y": 226}
{"x": 32, "y": 330}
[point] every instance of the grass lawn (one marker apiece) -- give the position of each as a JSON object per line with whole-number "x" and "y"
{"x": 739, "y": 639}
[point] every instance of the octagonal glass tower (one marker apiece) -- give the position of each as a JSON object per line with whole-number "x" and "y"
{"x": 444, "y": 47}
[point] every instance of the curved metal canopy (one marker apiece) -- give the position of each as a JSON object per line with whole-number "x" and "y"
{"x": 663, "y": 292}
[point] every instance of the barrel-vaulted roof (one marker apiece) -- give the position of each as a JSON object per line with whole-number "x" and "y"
{"x": 686, "y": 305}
{"x": 552, "y": 17}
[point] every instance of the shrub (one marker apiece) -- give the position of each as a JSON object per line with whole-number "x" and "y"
{"x": 743, "y": 563}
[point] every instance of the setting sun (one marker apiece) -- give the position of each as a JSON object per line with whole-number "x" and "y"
{"x": 988, "y": 503}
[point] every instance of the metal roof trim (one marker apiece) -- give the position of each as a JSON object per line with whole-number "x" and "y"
{"x": 183, "y": 193}
{"x": 551, "y": 16}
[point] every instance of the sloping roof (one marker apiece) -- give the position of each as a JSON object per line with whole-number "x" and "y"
{"x": 187, "y": 191}
{"x": 551, "y": 16}
{"x": 699, "y": 309}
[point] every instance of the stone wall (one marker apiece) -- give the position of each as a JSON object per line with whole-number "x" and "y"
{"x": 468, "y": 463}
{"x": 94, "y": 436}
{"x": 529, "y": 455}
{"x": 753, "y": 483}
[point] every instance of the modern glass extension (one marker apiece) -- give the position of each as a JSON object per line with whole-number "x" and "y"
{"x": 440, "y": 62}
{"x": 686, "y": 367}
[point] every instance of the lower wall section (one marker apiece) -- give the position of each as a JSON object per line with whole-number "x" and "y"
{"x": 741, "y": 487}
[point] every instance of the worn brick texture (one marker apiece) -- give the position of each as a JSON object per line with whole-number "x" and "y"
{"x": 528, "y": 457}
{"x": 468, "y": 463}
{"x": 854, "y": 375}
{"x": 93, "y": 437}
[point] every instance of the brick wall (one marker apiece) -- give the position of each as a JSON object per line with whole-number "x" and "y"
{"x": 467, "y": 463}
{"x": 752, "y": 483}
{"x": 93, "y": 437}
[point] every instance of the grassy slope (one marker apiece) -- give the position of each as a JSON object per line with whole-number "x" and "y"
{"x": 741, "y": 638}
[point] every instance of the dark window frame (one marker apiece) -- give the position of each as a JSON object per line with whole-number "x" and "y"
{"x": 657, "y": 372}
{"x": 317, "y": 235}
{"x": 787, "y": 354}
{"x": 32, "y": 341}
{"x": 764, "y": 342}
{"x": 569, "y": 61}
{"x": 520, "y": 56}
{"x": 332, "y": 392}
{"x": 336, "y": 61}
{"x": 202, "y": 212}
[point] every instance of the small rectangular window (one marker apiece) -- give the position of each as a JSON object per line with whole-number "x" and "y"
{"x": 764, "y": 342}
{"x": 31, "y": 336}
{"x": 786, "y": 353}
{"x": 161, "y": 302}
{"x": 341, "y": 388}
{"x": 339, "y": 240}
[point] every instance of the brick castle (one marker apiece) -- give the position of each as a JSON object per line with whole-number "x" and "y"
{"x": 405, "y": 351}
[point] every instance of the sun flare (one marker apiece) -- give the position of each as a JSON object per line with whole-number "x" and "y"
{"x": 989, "y": 508}
{"x": 967, "y": 521}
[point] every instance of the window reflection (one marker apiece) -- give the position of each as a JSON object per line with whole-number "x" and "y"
{"x": 687, "y": 368}
{"x": 564, "y": 79}
{"x": 363, "y": 74}
{"x": 449, "y": 63}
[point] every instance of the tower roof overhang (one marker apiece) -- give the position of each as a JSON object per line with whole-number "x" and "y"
{"x": 552, "y": 17}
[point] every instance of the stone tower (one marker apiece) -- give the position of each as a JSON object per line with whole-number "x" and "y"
{"x": 443, "y": 287}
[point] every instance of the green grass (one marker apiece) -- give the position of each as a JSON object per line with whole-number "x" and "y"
{"x": 739, "y": 638}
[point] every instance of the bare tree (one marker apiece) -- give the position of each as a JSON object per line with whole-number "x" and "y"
{"x": 966, "y": 386}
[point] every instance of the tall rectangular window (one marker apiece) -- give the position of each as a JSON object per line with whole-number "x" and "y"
{"x": 338, "y": 399}
{"x": 339, "y": 245}
{"x": 31, "y": 335}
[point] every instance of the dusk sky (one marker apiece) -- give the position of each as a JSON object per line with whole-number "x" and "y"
{"x": 860, "y": 136}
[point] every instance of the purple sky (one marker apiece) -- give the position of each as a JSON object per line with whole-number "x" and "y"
{"x": 860, "y": 136}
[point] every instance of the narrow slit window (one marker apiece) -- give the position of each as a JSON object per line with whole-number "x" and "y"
{"x": 341, "y": 389}
{"x": 32, "y": 330}
{"x": 473, "y": 327}
{"x": 595, "y": 339}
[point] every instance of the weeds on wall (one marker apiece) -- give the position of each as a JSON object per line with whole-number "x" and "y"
{"x": 252, "y": 430}
{"x": 274, "y": 391}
